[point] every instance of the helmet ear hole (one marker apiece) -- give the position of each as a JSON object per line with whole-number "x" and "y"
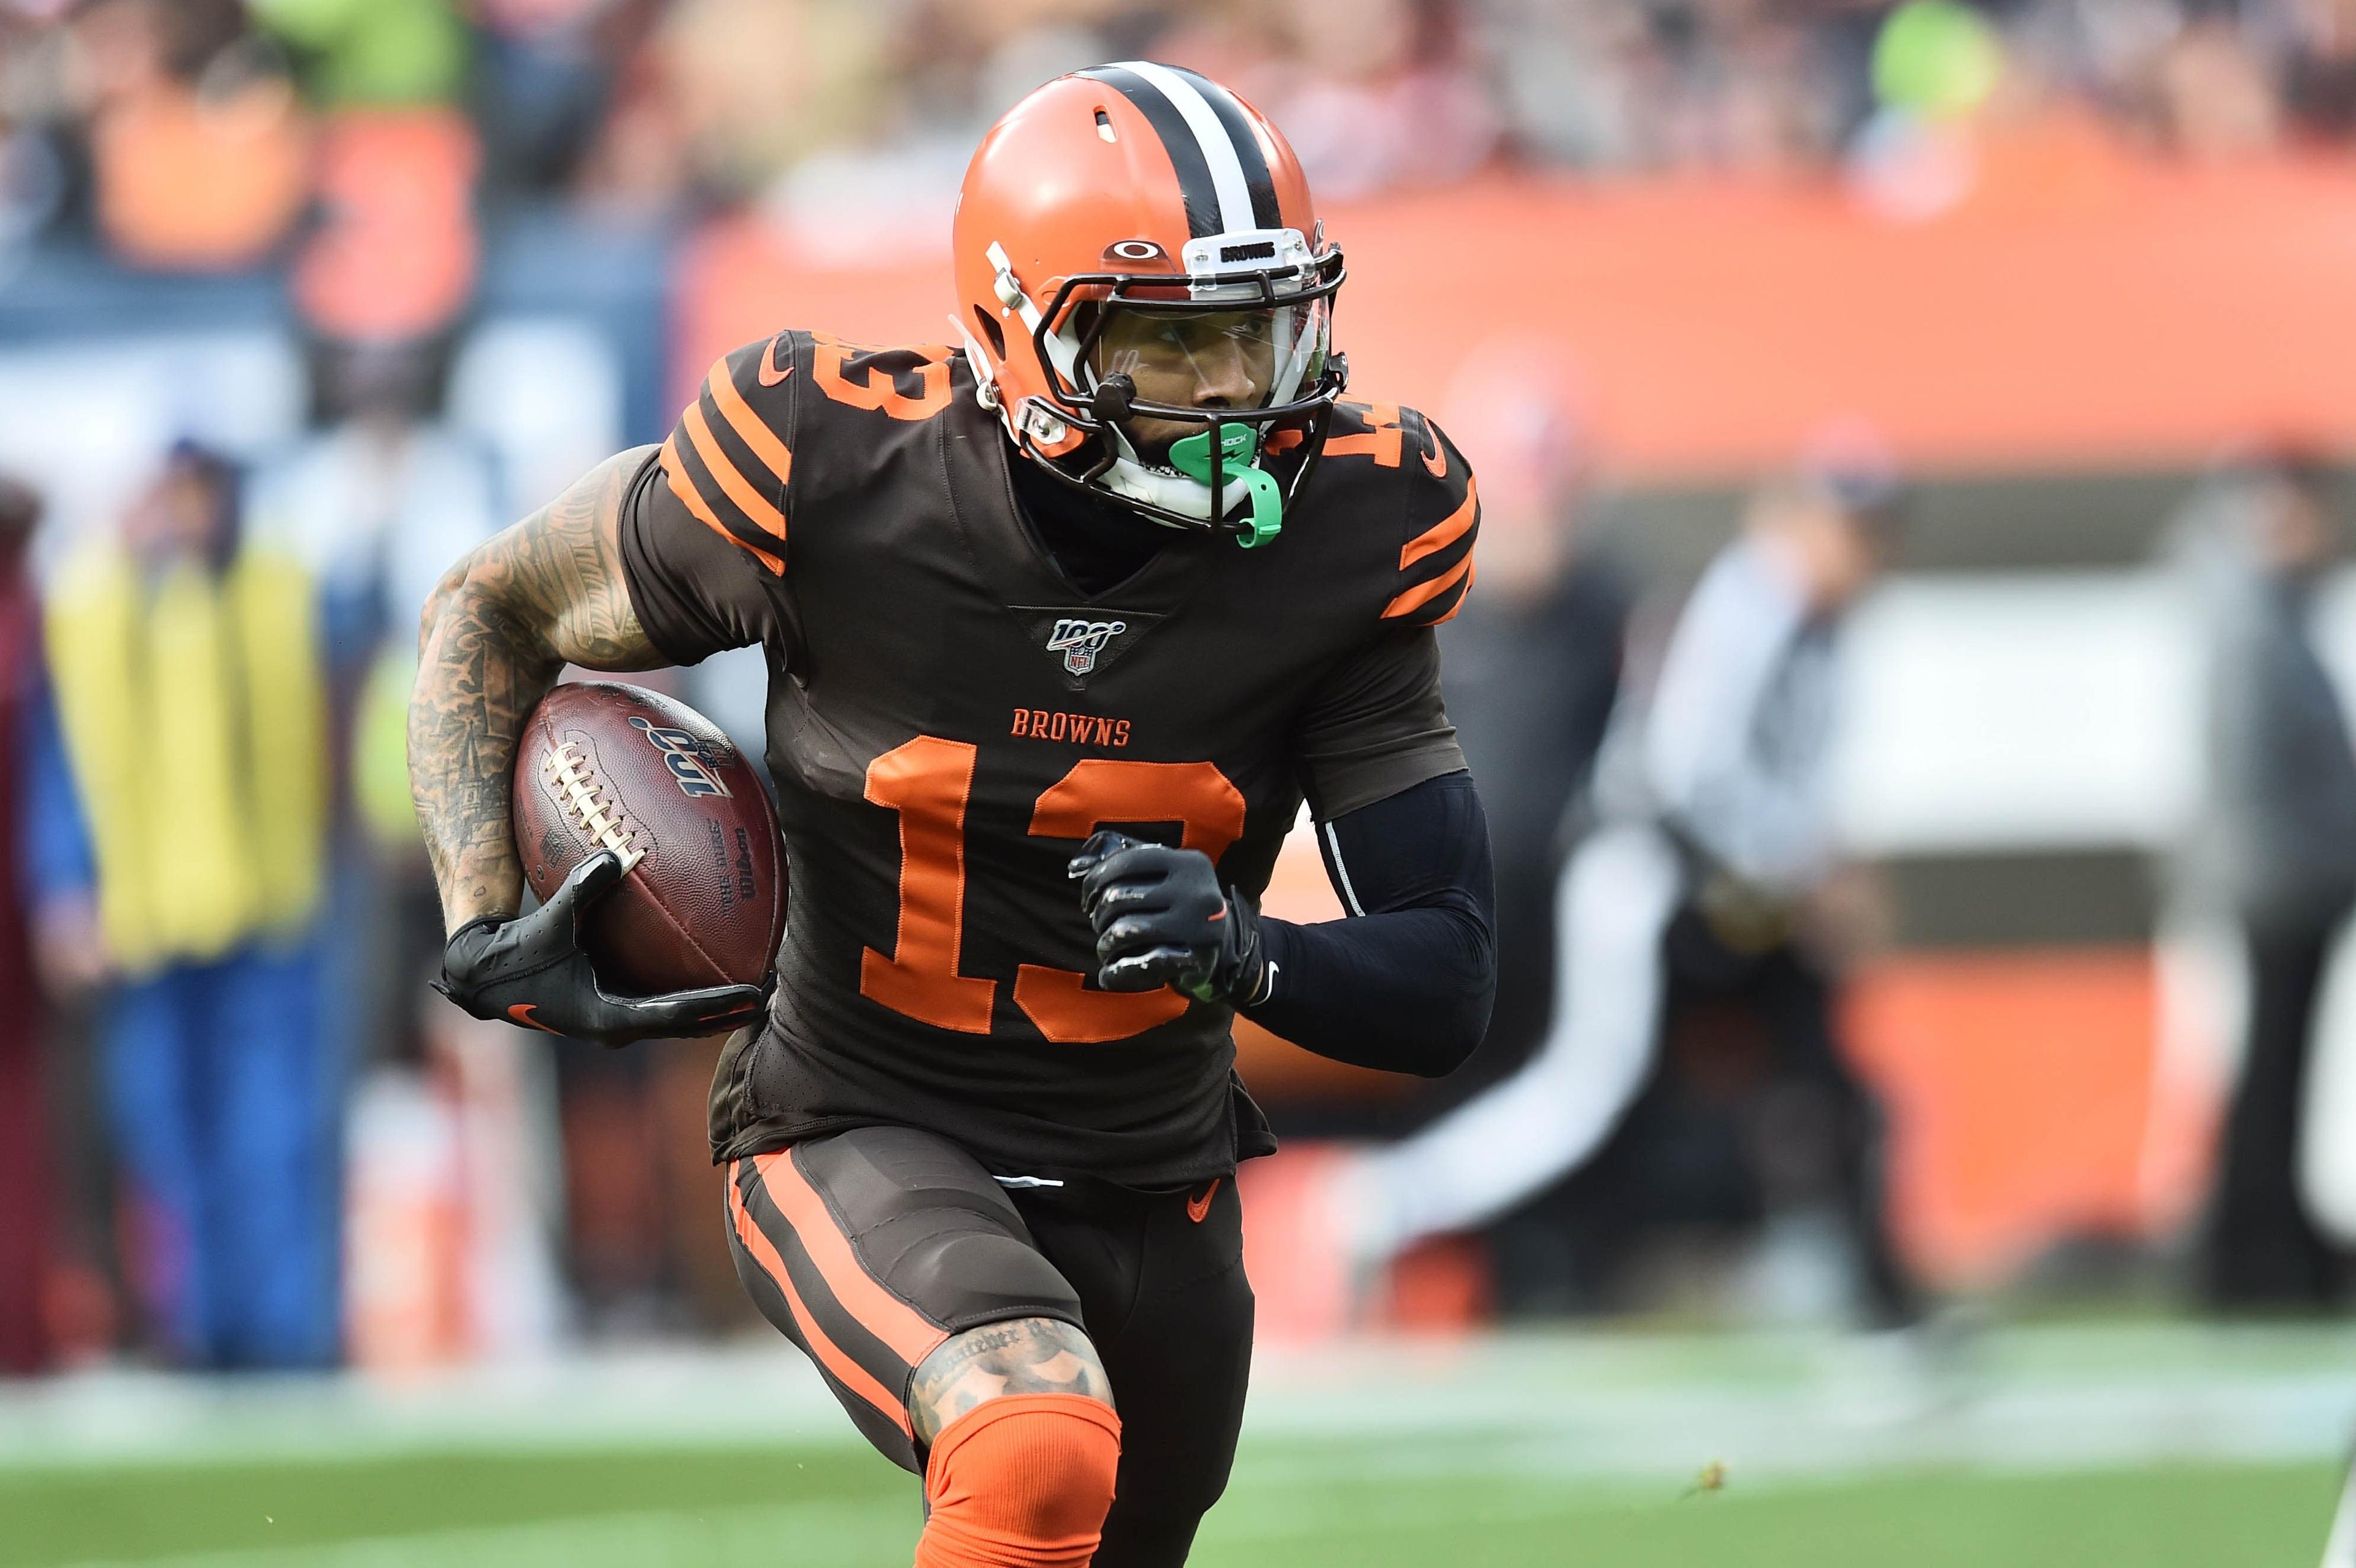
{"x": 991, "y": 330}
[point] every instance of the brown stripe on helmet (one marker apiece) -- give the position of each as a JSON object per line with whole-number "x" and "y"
{"x": 1238, "y": 127}
{"x": 1194, "y": 182}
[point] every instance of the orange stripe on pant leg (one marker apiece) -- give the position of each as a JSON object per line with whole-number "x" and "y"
{"x": 847, "y": 1373}
{"x": 911, "y": 1335}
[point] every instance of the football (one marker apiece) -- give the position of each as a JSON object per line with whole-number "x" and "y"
{"x": 702, "y": 901}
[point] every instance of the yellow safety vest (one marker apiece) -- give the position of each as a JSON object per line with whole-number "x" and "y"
{"x": 194, "y": 711}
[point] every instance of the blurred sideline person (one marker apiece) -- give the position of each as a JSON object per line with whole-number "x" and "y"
{"x": 1694, "y": 885}
{"x": 27, "y": 1242}
{"x": 190, "y": 702}
{"x": 1533, "y": 667}
{"x": 2277, "y": 851}
{"x": 373, "y": 504}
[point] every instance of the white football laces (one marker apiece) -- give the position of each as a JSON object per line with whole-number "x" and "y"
{"x": 578, "y": 785}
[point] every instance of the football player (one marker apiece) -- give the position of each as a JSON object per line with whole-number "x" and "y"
{"x": 1063, "y": 621}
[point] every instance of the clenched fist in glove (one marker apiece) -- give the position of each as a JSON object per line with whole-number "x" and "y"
{"x": 530, "y": 970}
{"x": 1163, "y": 919}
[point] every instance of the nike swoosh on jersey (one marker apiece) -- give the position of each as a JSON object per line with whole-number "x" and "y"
{"x": 769, "y": 375}
{"x": 1200, "y": 1204}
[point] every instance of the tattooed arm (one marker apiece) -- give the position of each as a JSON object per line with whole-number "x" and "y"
{"x": 1024, "y": 1355}
{"x": 501, "y": 624}
{"x": 500, "y": 629}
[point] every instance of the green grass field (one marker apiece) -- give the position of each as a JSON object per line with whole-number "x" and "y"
{"x": 830, "y": 1507}
{"x": 2118, "y": 1444}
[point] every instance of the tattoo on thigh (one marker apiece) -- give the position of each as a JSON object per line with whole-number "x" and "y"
{"x": 1026, "y": 1355}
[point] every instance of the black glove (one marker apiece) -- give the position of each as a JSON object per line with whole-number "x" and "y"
{"x": 1161, "y": 918}
{"x": 530, "y": 971}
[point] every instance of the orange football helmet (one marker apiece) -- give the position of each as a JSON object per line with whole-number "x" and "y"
{"x": 1145, "y": 186}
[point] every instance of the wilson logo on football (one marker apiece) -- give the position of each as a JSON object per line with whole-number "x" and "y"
{"x": 680, "y": 755}
{"x": 1081, "y": 641}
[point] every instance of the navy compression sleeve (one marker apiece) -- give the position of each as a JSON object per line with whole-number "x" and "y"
{"x": 1404, "y": 983}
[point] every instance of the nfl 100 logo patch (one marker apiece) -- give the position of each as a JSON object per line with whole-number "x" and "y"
{"x": 683, "y": 754}
{"x": 1080, "y": 641}
{"x": 1085, "y": 639}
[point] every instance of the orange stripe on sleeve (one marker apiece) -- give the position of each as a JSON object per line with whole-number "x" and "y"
{"x": 754, "y": 505}
{"x": 684, "y": 489}
{"x": 748, "y": 424}
{"x": 1423, "y": 594}
{"x": 1469, "y": 578}
{"x": 909, "y": 1334}
{"x": 847, "y": 1373}
{"x": 1441, "y": 534}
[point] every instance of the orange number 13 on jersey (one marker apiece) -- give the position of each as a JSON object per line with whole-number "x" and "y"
{"x": 928, "y": 782}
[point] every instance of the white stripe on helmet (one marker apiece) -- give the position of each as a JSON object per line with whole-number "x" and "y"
{"x": 1218, "y": 150}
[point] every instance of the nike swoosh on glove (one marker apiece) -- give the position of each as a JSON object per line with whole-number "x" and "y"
{"x": 1161, "y": 918}
{"x": 530, "y": 971}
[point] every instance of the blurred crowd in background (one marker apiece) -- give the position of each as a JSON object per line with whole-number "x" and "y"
{"x": 200, "y": 133}
{"x": 301, "y": 298}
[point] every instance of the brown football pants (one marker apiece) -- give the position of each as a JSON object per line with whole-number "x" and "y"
{"x": 870, "y": 1247}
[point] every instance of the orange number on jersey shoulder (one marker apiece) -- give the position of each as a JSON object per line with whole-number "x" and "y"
{"x": 875, "y": 388}
{"x": 927, "y": 782}
{"x": 1382, "y": 439}
{"x": 1209, "y": 811}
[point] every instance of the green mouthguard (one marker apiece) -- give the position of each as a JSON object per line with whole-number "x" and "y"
{"x": 1192, "y": 457}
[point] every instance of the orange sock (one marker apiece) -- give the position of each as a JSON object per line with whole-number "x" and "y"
{"x": 1020, "y": 1482}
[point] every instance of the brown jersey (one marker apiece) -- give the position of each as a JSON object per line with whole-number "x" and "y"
{"x": 949, "y": 717}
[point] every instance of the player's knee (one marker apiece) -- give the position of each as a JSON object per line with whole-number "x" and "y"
{"x": 1022, "y": 1480}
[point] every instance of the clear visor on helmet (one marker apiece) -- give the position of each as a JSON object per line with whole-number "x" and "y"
{"x": 1198, "y": 361}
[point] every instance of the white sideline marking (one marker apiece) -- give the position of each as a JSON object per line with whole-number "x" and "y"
{"x": 1594, "y": 1404}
